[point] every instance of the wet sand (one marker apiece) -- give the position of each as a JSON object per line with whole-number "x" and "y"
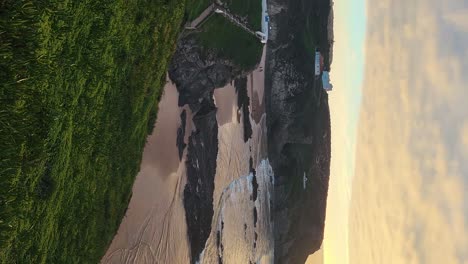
{"x": 160, "y": 152}
{"x": 226, "y": 102}
{"x": 238, "y": 234}
{"x": 153, "y": 229}
{"x": 256, "y": 89}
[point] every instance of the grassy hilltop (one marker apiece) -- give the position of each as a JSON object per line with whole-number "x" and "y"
{"x": 230, "y": 42}
{"x": 79, "y": 85}
{"x": 225, "y": 39}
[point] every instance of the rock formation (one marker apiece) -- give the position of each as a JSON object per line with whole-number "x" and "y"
{"x": 298, "y": 122}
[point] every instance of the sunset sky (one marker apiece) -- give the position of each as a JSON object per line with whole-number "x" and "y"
{"x": 347, "y": 75}
{"x": 399, "y": 172}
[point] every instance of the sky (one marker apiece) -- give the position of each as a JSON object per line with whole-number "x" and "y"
{"x": 399, "y": 171}
{"x": 409, "y": 199}
{"x": 347, "y": 71}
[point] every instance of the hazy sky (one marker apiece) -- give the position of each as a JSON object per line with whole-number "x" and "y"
{"x": 407, "y": 202}
{"x": 347, "y": 75}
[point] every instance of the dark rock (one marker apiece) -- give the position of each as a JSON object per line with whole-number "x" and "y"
{"x": 181, "y": 134}
{"x": 218, "y": 239}
{"x": 201, "y": 169}
{"x": 298, "y": 122}
{"x": 219, "y": 245}
{"x": 255, "y": 216}
{"x": 255, "y": 239}
{"x": 254, "y": 185}
{"x": 197, "y": 72}
{"x": 243, "y": 103}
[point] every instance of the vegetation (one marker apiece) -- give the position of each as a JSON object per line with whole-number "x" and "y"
{"x": 314, "y": 32}
{"x": 78, "y": 81}
{"x": 310, "y": 35}
{"x": 195, "y": 7}
{"x": 251, "y": 10}
{"x": 230, "y": 42}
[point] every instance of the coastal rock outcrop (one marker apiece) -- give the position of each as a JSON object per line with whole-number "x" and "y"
{"x": 201, "y": 170}
{"x": 298, "y": 122}
{"x": 197, "y": 72}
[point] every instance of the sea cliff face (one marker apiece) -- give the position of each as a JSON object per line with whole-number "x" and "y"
{"x": 196, "y": 73}
{"x": 201, "y": 170}
{"x": 298, "y": 122}
{"x": 298, "y": 128}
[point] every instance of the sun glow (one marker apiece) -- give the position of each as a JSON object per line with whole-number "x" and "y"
{"x": 347, "y": 72}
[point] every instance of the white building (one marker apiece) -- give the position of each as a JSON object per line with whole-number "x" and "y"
{"x": 265, "y": 23}
{"x": 327, "y": 86}
{"x": 318, "y": 67}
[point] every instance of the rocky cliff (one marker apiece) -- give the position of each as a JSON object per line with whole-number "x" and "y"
{"x": 201, "y": 170}
{"x": 196, "y": 72}
{"x": 298, "y": 122}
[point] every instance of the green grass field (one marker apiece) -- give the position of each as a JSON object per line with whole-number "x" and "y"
{"x": 195, "y": 7}
{"x": 79, "y": 83}
{"x": 230, "y": 42}
{"x": 250, "y": 9}
{"x": 314, "y": 32}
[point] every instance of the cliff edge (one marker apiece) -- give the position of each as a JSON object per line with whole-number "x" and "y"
{"x": 298, "y": 121}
